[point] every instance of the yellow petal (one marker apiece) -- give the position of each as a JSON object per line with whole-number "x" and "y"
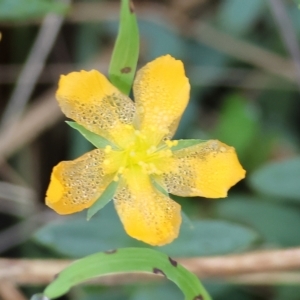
{"x": 208, "y": 169}
{"x": 76, "y": 185}
{"x": 92, "y": 101}
{"x": 147, "y": 214}
{"x": 161, "y": 92}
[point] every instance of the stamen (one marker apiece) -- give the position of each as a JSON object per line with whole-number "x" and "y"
{"x": 151, "y": 150}
{"x": 108, "y": 149}
{"x": 171, "y": 144}
{"x": 145, "y": 167}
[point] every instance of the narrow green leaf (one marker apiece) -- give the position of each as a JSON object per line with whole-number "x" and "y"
{"x": 97, "y": 140}
{"x": 185, "y": 219}
{"x": 159, "y": 187}
{"x": 186, "y": 143}
{"x": 126, "y": 51}
{"x": 106, "y": 196}
{"x": 127, "y": 260}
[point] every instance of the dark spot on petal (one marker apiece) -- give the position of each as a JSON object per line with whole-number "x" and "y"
{"x": 126, "y": 70}
{"x": 173, "y": 262}
{"x": 111, "y": 251}
{"x": 158, "y": 271}
{"x": 56, "y": 275}
{"x": 131, "y": 7}
{"x": 199, "y": 297}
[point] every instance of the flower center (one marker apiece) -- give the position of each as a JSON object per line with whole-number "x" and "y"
{"x": 138, "y": 156}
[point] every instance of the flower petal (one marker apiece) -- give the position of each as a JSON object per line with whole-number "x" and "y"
{"x": 76, "y": 185}
{"x": 93, "y": 102}
{"x": 147, "y": 214}
{"x": 161, "y": 92}
{"x": 208, "y": 169}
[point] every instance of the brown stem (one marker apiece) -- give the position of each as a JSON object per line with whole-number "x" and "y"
{"x": 247, "y": 268}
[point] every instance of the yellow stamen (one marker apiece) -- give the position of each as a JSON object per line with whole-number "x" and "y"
{"x": 108, "y": 149}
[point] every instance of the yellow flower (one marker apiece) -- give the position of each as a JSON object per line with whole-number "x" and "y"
{"x": 143, "y": 154}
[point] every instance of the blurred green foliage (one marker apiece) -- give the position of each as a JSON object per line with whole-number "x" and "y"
{"x": 279, "y": 180}
{"x": 22, "y": 10}
{"x": 76, "y": 237}
{"x": 231, "y": 99}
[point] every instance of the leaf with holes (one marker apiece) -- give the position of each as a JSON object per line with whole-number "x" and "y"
{"x": 127, "y": 260}
{"x": 126, "y": 51}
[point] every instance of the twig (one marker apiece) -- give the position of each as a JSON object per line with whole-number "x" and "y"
{"x": 34, "y": 65}
{"x": 21, "y": 232}
{"x": 16, "y": 200}
{"x": 8, "y": 291}
{"x": 287, "y": 33}
{"x": 244, "y": 51}
{"x": 228, "y": 76}
{"x": 8, "y": 173}
{"x": 250, "y": 268}
{"x": 42, "y": 115}
{"x": 267, "y": 278}
{"x": 264, "y": 261}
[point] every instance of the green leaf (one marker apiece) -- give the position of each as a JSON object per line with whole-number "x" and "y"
{"x": 150, "y": 291}
{"x": 186, "y": 143}
{"x": 159, "y": 187}
{"x": 97, "y": 140}
{"x": 276, "y": 223}
{"x": 278, "y": 179}
{"x": 211, "y": 237}
{"x": 290, "y": 292}
{"x": 15, "y": 10}
{"x": 106, "y": 196}
{"x": 237, "y": 112}
{"x": 238, "y": 17}
{"x": 126, "y": 260}
{"x": 75, "y": 237}
{"x": 126, "y": 51}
